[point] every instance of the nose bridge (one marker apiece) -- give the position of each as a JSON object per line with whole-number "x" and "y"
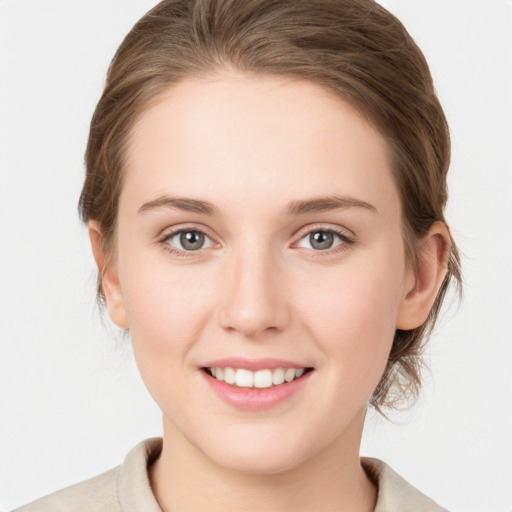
{"x": 253, "y": 294}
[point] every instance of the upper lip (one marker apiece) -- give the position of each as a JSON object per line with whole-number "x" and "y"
{"x": 253, "y": 364}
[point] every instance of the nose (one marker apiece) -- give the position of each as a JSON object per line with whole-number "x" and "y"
{"x": 254, "y": 300}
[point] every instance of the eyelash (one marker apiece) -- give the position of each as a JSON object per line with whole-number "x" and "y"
{"x": 346, "y": 241}
{"x": 177, "y": 252}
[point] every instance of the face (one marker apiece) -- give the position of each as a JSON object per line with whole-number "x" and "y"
{"x": 259, "y": 239}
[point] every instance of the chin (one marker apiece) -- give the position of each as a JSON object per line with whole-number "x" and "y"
{"x": 259, "y": 454}
{"x": 259, "y": 464}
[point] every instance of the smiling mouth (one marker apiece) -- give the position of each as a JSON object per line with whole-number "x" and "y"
{"x": 261, "y": 379}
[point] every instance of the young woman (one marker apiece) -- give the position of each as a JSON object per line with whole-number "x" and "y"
{"x": 264, "y": 198}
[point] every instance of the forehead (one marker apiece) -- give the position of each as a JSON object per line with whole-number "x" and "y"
{"x": 259, "y": 137}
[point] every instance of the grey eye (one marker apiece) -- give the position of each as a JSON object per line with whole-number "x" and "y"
{"x": 189, "y": 240}
{"x": 321, "y": 240}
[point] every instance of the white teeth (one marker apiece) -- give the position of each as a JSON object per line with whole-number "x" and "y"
{"x": 263, "y": 379}
{"x": 260, "y": 379}
{"x": 244, "y": 378}
{"x": 289, "y": 374}
{"x": 229, "y": 375}
{"x": 278, "y": 376}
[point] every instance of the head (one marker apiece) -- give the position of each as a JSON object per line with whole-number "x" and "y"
{"x": 353, "y": 49}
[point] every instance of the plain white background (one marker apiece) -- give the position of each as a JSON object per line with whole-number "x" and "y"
{"x": 72, "y": 403}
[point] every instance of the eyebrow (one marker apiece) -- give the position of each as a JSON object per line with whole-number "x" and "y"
{"x": 179, "y": 203}
{"x": 322, "y": 204}
{"x": 317, "y": 204}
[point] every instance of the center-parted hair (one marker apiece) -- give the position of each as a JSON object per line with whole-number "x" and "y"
{"x": 355, "y": 48}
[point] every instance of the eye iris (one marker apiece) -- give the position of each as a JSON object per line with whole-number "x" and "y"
{"x": 191, "y": 240}
{"x": 321, "y": 240}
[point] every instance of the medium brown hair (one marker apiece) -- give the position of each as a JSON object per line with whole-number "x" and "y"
{"x": 353, "y": 47}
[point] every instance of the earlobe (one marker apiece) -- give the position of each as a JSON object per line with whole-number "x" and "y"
{"x": 426, "y": 278}
{"x": 109, "y": 278}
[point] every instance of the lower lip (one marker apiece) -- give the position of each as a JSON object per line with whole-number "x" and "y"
{"x": 256, "y": 399}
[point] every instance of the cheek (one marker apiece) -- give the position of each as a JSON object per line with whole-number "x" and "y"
{"x": 166, "y": 309}
{"x": 353, "y": 319}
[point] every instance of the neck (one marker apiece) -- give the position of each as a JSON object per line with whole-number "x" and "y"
{"x": 184, "y": 479}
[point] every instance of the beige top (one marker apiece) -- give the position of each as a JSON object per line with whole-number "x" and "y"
{"x": 127, "y": 488}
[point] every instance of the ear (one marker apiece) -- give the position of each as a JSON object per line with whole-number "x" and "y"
{"x": 424, "y": 280}
{"x": 108, "y": 276}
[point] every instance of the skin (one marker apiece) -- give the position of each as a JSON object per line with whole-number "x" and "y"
{"x": 250, "y": 146}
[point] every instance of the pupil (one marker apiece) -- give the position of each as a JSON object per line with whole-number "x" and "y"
{"x": 321, "y": 240}
{"x": 191, "y": 240}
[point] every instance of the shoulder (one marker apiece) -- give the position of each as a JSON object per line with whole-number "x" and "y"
{"x": 125, "y": 487}
{"x": 394, "y": 493}
{"x": 97, "y": 494}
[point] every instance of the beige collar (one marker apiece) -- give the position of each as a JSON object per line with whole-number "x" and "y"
{"x": 134, "y": 489}
{"x": 395, "y": 493}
